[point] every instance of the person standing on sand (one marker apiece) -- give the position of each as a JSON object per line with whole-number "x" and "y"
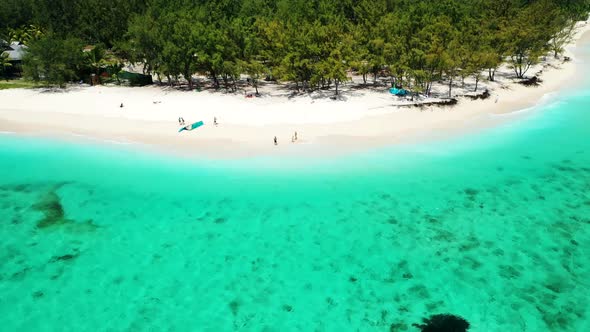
{"x": 215, "y": 121}
{"x": 276, "y": 141}
{"x": 295, "y": 137}
{"x": 121, "y": 105}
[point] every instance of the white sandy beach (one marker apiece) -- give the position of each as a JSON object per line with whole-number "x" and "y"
{"x": 362, "y": 119}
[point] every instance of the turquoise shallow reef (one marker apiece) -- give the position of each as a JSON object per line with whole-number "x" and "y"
{"x": 494, "y": 227}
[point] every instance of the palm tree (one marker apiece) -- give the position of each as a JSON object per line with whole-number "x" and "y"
{"x": 99, "y": 60}
{"x": 95, "y": 59}
{"x": 25, "y": 34}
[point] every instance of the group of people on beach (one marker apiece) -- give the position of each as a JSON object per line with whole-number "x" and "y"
{"x": 181, "y": 122}
{"x": 293, "y": 139}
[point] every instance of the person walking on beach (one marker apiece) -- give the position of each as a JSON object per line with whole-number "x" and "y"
{"x": 276, "y": 141}
{"x": 215, "y": 121}
{"x": 295, "y": 136}
{"x": 121, "y": 105}
{"x": 180, "y": 122}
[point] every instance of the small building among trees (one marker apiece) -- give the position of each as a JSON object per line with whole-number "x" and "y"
{"x": 12, "y": 58}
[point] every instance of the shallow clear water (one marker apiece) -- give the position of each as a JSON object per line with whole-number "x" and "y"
{"x": 494, "y": 227}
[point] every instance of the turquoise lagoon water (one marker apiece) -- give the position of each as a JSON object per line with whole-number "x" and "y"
{"x": 494, "y": 227}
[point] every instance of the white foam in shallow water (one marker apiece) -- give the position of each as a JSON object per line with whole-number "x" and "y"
{"x": 110, "y": 141}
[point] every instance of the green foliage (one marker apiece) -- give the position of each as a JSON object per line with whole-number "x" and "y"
{"x": 25, "y": 34}
{"x": 562, "y": 30}
{"x": 528, "y": 36}
{"x": 312, "y": 43}
{"x": 255, "y": 70}
{"x": 17, "y": 84}
{"x": 15, "y": 13}
{"x": 98, "y": 60}
{"x": 95, "y": 58}
{"x": 53, "y": 60}
{"x": 4, "y": 64}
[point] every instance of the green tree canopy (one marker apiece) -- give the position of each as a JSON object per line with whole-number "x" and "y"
{"x": 54, "y": 60}
{"x": 312, "y": 43}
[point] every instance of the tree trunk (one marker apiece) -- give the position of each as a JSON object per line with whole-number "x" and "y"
{"x": 215, "y": 80}
{"x": 190, "y": 82}
{"x": 518, "y": 66}
{"x": 450, "y": 87}
{"x": 476, "y": 82}
{"x": 336, "y": 83}
{"x": 225, "y": 81}
{"x": 430, "y": 79}
{"x": 188, "y": 75}
{"x": 365, "y": 78}
{"x": 491, "y": 74}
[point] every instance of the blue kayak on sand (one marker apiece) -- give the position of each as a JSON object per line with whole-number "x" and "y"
{"x": 193, "y": 126}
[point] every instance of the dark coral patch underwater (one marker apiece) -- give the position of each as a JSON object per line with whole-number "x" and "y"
{"x": 54, "y": 215}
